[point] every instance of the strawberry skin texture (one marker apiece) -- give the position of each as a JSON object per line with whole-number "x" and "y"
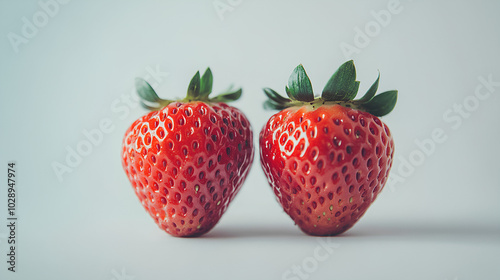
{"x": 186, "y": 162}
{"x": 326, "y": 165}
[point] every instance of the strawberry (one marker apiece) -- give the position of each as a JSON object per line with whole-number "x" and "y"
{"x": 187, "y": 159}
{"x": 327, "y": 158}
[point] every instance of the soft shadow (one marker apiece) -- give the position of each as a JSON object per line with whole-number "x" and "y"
{"x": 477, "y": 231}
{"x": 255, "y": 232}
{"x": 425, "y": 230}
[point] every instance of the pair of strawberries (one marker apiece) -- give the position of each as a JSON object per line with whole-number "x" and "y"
{"x": 326, "y": 158}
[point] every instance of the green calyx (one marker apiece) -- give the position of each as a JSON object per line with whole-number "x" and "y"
{"x": 341, "y": 89}
{"x": 199, "y": 89}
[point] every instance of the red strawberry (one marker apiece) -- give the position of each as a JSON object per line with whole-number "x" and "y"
{"x": 327, "y": 158}
{"x": 188, "y": 159}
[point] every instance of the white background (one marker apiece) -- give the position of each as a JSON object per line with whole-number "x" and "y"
{"x": 442, "y": 222}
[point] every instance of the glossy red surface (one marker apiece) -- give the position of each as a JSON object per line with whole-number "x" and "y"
{"x": 186, "y": 163}
{"x": 326, "y": 166}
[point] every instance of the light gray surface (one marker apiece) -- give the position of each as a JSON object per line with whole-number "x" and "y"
{"x": 442, "y": 222}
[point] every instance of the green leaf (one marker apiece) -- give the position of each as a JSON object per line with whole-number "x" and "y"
{"x": 228, "y": 96}
{"x": 382, "y": 104}
{"x": 194, "y": 87}
{"x": 206, "y": 83}
{"x": 355, "y": 89}
{"x": 151, "y": 108}
{"x": 145, "y": 90}
{"x": 299, "y": 86}
{"x": 342, "y": 84}
{"x": 371, "y": 92}
{"x": 272, "y": 105}
{"x": 273, "y": 95}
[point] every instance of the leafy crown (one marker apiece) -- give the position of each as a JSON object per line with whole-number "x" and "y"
{"x": 199, "y": 89}
{"x": 341, "y": 89}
